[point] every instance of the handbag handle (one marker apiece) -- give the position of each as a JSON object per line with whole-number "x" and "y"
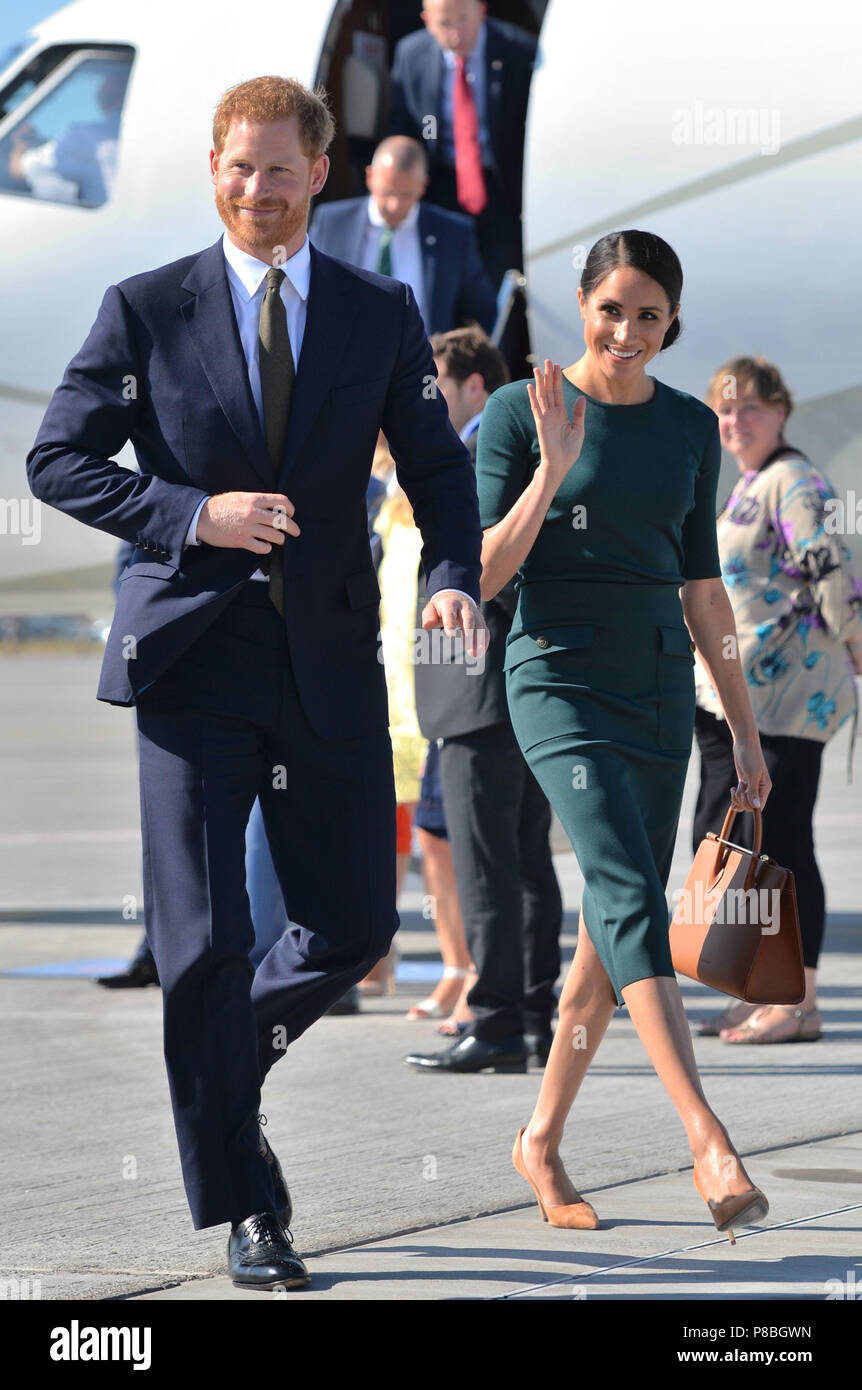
{"x": 728, "y": 824}
{"x": 723, "y": 840}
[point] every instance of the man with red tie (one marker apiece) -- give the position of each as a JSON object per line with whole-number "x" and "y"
{"x": 461, "y": 86}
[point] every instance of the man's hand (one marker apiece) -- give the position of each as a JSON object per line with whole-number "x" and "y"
{"x": 455, "y": 612}
{"x": 253, "y": 521}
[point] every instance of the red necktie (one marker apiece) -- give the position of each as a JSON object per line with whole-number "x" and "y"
{"x": 469, "y": 180}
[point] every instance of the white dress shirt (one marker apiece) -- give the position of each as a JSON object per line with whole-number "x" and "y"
{"x": 246, "y": 277}
{"x": 405, "y": 249}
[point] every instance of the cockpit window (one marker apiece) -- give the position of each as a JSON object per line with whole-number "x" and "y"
{"x": 59, "y": 141}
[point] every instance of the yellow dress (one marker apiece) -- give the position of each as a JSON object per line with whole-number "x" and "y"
{"x": 399, "y": 570}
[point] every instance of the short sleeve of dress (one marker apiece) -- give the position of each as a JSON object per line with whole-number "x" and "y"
{"x": 504, "y": 455}
{"x": 699, "y": 542}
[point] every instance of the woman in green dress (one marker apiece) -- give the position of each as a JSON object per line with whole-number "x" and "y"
{"x": 597, "y": 486}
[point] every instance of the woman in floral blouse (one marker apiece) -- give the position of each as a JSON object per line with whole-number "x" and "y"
{"x": 797, "y": 608}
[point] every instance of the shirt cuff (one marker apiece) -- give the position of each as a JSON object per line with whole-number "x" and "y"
{"x": 454, "y": 591}
{"x": 191, "y": 537}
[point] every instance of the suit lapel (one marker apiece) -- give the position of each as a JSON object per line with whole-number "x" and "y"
{"x": 494, "y": 78}
{"x": 211, "y": 323}
{"x": 328, "y": 324}
{"x": 434, "y": 71}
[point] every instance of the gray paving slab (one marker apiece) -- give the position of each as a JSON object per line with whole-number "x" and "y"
{"x": 655, "y": 1241}
{"x": 89, "y": 1175}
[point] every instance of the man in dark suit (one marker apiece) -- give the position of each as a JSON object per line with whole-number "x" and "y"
{"x": 257, "y": 366}
{"x": 393, "y": 232}
{"x": 461, "y": 85}
{"x": 498, "y": 817}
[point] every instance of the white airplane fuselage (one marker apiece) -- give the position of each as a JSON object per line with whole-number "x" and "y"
{"x": 726, "y": 130}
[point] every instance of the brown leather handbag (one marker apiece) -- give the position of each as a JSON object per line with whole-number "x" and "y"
{"x": 735, "y": 926}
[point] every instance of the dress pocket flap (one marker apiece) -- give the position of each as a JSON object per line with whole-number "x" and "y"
{"x": 545, "y": 641}
{"x": 362, "y": 589}
{"x": 676, "y": 641}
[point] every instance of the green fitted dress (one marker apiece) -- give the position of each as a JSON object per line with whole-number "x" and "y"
{"x": 599, "y": 663}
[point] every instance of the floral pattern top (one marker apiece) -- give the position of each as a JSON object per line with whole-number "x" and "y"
{"x": 795, "y": 600}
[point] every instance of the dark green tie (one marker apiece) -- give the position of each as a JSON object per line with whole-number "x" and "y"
{"x": 384, "y": 254}
{"x": 277, "y": 375}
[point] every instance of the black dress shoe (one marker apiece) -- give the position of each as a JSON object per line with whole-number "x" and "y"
{"x": 261, "y": 1256}
{"x": 283, "y": 1204}
{"x": 538, "y": 1047}
{"x": 138, "y": 974}
{"x": 474, "y": 1054}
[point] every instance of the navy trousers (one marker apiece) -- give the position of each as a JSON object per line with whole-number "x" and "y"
{"x": 223, "y": 726}
{"x": 499, "y": 822}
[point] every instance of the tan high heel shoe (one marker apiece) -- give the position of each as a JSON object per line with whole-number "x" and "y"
{"x": 743, "y": 1209}
{"x": 579, "y": 1216}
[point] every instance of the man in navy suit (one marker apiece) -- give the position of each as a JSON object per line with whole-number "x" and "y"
{"x": 393, "y": 232}
{"x": 461, "y": 85}
{"x": 252, "y": 379}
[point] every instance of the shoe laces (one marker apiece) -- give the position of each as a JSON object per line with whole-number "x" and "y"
{"x": 264, "y": 1229}
{"x": 263, "y": 1145}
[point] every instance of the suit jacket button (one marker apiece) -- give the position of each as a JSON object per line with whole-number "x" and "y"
{"x": 692, "y": 647}
{"x": 542, "y": 642}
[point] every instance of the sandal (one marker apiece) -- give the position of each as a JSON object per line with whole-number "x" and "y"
{"x": 452, "y": 1028}
{"x": 755, "y": 1030}
{"x": 456, "y": 1025}
{"x": 431, "y": 1007}
{"x": 712, "y": 1026}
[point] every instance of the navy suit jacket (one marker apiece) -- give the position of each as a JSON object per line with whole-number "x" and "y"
{"x": 163, "y": 367}
{"x": 417, "y": 82}
{"x": 457, "y": 288}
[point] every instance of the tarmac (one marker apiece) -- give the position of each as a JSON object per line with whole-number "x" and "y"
{"x": 402, "y": 1183}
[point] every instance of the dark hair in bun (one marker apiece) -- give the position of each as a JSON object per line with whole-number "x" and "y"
{"x": 643, "y": 251}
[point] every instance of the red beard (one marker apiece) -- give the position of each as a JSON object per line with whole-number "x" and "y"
{"x": 267, "y": 233}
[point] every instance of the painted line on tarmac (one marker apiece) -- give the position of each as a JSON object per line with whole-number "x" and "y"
{"x": 678, "y": 1250}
